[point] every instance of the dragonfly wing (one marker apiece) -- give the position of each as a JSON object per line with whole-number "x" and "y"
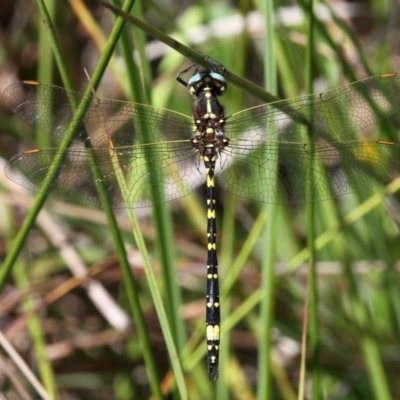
{"x": 269, "y": 150}
{"x": 107, "y": 123}
{"x": 133, "y": 176}
{"x": 279, "y": 172}
{"x": 335, "y": 115}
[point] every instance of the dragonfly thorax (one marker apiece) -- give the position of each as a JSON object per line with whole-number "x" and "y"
{"x": 208, "y": 116}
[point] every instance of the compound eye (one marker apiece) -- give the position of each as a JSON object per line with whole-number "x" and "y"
{"x": 219, "y": 83}
{"x": 196, "y": 78}
{"x": 217, "y": 77}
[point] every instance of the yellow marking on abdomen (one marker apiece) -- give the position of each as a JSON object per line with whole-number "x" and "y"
{"x": 211, "y": 214}
{"x": 213, "y": 332}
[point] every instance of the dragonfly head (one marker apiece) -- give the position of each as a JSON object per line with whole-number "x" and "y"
{"x": 207, "y": 81}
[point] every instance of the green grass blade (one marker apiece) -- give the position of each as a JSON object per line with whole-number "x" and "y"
{"x": 226, "y": 260}
{"x": 266, "y": 318}
{"x": 37, "y": 333}
{"x": 312, "y": 291}
{"x": 45, "y": 62}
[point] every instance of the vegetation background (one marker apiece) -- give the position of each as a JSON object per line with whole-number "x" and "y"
{"x": 70, "y": 306}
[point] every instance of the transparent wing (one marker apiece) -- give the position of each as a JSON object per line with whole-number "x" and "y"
{"x": 52, "y": 108}
{"x": 336, "y": 115}
{"x": 278, "y": 172}
{"x": 124, "y": 172}
{"x": 138, "y": 149}
{"x": 269, "y": 158}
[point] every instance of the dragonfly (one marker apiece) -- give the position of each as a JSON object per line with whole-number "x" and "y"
{"x": 146, "y": 155}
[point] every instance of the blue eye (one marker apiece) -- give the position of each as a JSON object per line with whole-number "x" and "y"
{"x": 202, "y": 75}
{"x": 217, "y": 76}
{"x": 197, "y": 77}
